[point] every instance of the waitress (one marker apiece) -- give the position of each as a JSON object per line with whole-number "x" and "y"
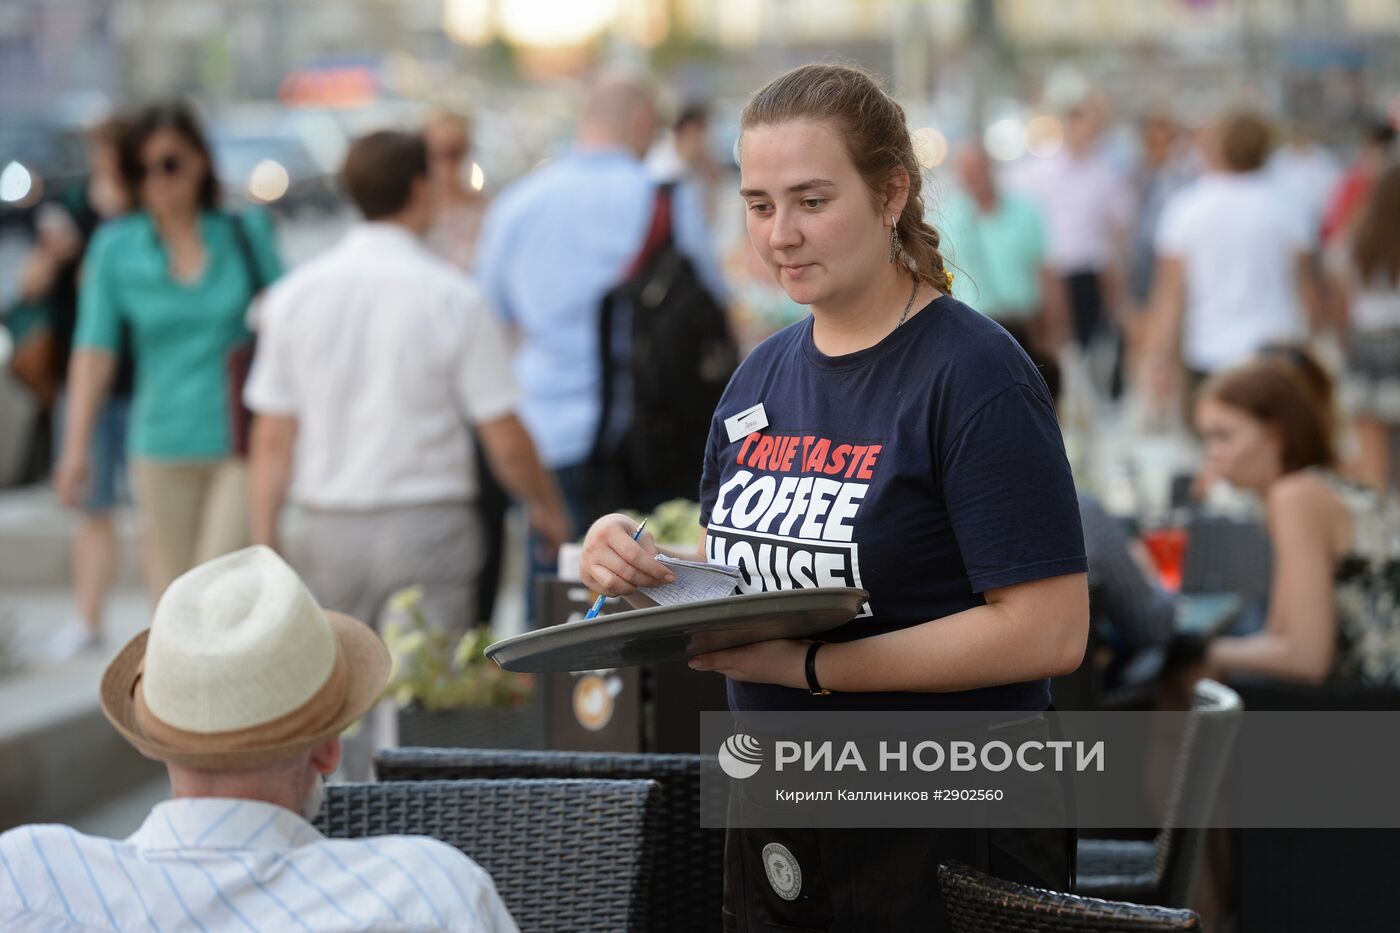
{"x": 903, "y": 443}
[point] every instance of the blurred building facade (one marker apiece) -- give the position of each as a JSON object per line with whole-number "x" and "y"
{"x": 215, "y": 49}
{"x": 1289, "y": 55}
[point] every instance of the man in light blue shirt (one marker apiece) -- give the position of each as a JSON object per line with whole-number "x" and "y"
{"x": 996, "y": 241}
{"x": 555, "y": 243}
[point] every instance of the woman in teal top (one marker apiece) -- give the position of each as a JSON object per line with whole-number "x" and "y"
{"x": 180, "y": 274}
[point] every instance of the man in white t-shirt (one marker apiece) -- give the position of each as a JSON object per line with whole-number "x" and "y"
{"x": 1233, "y": 269}
{"x": 375, "y": 362}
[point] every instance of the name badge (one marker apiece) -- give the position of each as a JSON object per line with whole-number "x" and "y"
{"x": 746, "y": 422}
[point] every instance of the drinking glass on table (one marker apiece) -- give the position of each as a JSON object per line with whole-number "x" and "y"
{"x": 1167, "y": 546}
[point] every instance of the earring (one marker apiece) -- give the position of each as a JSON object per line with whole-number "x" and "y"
{"x": 895, "y": 245}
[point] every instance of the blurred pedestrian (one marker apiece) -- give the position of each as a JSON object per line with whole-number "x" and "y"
{"x": 179, "y": 273}
{"x": 47, "y": 305}
{"x": 996, "y": 239}
{"x": 1086, "y": 204}
{"x": 1166, "y": 164}
{"x": 684, "y": 154}
{"x": 459, "y": 206}
{"x": 98, "y": 198}
{"x": 1307, "y": 173}
{"x": 1369, "y": 279}
{"x": 1376, "y": 153}
{"x": 558, "y": 241}
{"x": 1234, "y": 269}
{"x": 375, "y": 361}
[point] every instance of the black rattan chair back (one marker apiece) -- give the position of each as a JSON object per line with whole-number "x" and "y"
{"x": 1163, "y": 871}
{"x": 1227, "y": 556}
{"x": 687, "y": 877}
{"x": 1210, "y": 733}
{"x": 564, "y": 855}
{"x": 979, "y": 903}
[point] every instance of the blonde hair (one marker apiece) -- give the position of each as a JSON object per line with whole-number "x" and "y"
{"x": 876, "y": 135}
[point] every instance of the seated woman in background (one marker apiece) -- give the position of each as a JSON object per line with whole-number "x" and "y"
{"x": 1334, "y": 611}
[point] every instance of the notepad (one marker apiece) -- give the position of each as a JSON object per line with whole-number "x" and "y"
{"x": 695, "y": 581}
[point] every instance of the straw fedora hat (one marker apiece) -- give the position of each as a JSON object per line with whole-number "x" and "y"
{"x": 241, "y": 667}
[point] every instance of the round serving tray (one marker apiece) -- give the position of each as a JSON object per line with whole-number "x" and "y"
{"x": 673, "y": 633}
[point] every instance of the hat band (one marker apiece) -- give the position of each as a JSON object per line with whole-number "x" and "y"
{"x": 309, "y": 719}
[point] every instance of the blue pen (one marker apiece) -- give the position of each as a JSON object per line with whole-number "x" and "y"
{"x": 598, "y": 603}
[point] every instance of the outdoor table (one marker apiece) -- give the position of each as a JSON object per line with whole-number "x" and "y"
{"x": 673, "y": 633}
{"x": 1205, "y": 615}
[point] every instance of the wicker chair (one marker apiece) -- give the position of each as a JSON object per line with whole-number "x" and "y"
{"x": 979, "y": 903}
{"x": 1162, "y": 871}
{"x": 565, "y": 855}
{"x": 688, "y": 867}
{"x": 1280, "y": 870}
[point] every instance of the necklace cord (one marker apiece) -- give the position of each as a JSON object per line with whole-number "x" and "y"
{"x": 909, "y": 304}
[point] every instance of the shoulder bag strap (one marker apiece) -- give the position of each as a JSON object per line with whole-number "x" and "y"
{"x": 245, "y": 251}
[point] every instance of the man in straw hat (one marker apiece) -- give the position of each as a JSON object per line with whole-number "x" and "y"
{"x": 242, "y": 686}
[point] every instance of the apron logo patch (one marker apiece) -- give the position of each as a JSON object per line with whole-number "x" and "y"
{"x": 784, "y": 874}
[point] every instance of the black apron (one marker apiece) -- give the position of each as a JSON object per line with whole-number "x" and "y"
{"x": 882, "y": 880}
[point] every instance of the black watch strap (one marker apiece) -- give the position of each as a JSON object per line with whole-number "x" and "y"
{"x": 816, "y": 689}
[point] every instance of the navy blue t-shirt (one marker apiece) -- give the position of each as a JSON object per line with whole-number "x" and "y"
{"x": 926, "y": 470}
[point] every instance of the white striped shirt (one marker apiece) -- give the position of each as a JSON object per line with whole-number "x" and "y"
{"x": 215, "y": 864}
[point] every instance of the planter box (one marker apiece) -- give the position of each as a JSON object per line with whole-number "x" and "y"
{"x": 473, "y": 727}
{"x": 653, "y": 707}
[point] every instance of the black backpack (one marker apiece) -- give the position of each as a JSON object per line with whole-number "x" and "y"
{"x": 680, "y": 358}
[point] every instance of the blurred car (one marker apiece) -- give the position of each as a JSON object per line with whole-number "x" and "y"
{"x": 275, "y": 170}
{"x": 37, "y": 155}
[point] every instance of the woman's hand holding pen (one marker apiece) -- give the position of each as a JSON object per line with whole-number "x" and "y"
{"x": 612, "y": 564}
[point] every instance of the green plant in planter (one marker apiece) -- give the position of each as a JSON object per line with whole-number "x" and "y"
{"x": 435, "y": 672}
{"x": 675, "y": 523}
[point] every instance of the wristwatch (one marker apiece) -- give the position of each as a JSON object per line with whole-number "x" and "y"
{"x": 814, "y": 688}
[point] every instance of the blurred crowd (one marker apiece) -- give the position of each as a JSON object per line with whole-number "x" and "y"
{"x": 1234, "y": 284}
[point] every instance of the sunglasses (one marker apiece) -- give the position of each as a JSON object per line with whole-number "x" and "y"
{"x": 165, "y": 166}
